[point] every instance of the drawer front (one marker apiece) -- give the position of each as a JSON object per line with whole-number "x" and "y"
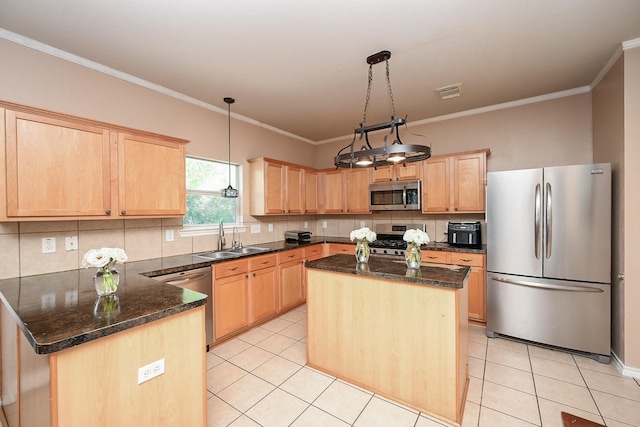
{"x": 339, "y": 248}
{"x": 313, "y": 251}
{"x": 438, "y": 257}
{"x": 230, "y": 268}
{"x": 263, "y": 261}
{"x": 291, "y": 255}
{"x": 461, "y": 258}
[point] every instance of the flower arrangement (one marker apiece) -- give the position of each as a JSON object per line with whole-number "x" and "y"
{"x": 362, "y": 235}
{"x": 106, "y": 278}
{"x": 415, "y": 238}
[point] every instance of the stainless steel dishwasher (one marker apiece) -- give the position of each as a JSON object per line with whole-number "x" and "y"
{"x": 198, "y": 280}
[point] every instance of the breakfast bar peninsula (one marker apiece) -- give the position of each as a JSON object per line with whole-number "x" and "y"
{"x": 398, "y": 332}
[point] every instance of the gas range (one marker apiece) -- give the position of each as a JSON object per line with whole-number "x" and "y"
{"x": 389, "y": 238}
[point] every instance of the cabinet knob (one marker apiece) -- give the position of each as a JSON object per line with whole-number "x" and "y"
{"x": 254, "y": 274}
{"x": 108, "y": 212}
{"x": 123, "y": 212}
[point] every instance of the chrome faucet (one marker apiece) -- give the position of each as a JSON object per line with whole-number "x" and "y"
{"x": 221, "y": 241}
{"x": 235, "y": 244}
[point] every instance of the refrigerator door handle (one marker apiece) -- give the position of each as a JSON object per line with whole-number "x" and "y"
{"x": 404, "y": 196}
{"x": 548, "y": 222}
{"x": 537, "y": 215}
{"x": 547, "y": 286}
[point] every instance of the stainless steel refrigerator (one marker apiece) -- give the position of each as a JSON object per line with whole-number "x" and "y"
{"x": 549, "y": 256}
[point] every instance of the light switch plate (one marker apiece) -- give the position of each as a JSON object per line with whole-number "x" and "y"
{"x": 324, "y": 224}
{"x": 169, "y": 235}
{"x": 71, "y": 243}
{"x": 270, "y": 228}
{"x": 306, "y": 225}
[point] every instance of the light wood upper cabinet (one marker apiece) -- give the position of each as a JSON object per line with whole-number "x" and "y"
{"x": 55, "y": 167}
{"x": 151, "y": 176}
{"x": 357, "y": 190}
{"x": 402, "y": 172}
{"x": 346, "y": 190}
{"x": 455, "y": 183}
{"x": 282, "y": 188}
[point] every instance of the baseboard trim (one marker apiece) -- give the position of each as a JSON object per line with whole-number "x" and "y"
{"x": 627, "y": 371}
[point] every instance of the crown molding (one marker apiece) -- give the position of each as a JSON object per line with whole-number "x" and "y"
{"x": 59, "y": 53}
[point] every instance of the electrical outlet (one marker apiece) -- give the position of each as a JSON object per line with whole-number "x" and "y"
{"x": 48, "y": 245}
{"x": 71, "y": 298}
{"x": 169, "y": 235}
{"x": 324, "y": 224}
{"x": 48, "y": 301}
{"x": 71, "y": 243}
{"x": 151, "y": 370}
{"x": 255, "y": 228}
{"x": 270, "y": 228}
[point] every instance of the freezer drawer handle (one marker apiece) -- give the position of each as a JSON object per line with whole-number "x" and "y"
{"x": 547, "y": 285}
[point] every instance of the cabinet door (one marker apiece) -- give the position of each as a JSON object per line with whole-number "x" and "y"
{"x": 274, "y": 188}
{"x": 333, "y": 191}
{"x": 435, "y": 186}
{"x": 263, "y": 293}
{"x": 294, "y": 195}
{"x": 291, "y": 273}
{"x": 310, "y": 191}
{"x": 56, "y": 167}
{"x": 230, "y": 301}
{"x": 382, "y": 174}
{"x": 151, "y": 176}
{"x": 469, "y": 182}
{"x": 357, "y": 192}
{"x": 407, "y": 172}
{"x": 476, "y": 294}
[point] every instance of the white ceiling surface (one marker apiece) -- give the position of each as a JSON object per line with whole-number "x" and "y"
{"x": 300, "y": 66}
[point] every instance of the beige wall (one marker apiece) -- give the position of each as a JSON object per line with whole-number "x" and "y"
{"x": 608, "y": 146}
{"x": 632, "y": 206}
{"x": 550, "y": 133}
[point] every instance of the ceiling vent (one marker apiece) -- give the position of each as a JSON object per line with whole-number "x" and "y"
{"x": 450, "y": 91}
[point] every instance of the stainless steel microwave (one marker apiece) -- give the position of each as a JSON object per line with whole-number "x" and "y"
{"x": 395, "y": 196}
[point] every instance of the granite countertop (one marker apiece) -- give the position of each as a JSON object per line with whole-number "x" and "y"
{"x": 381, "y": 267}
{"x": 56, "y": 310}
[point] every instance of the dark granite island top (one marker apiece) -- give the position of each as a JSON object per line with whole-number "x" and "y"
{"x": 449, "y": 276}
{"x": 57, "y": 311}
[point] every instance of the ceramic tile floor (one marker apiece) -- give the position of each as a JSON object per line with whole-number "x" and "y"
{"x": 260, "y": 379}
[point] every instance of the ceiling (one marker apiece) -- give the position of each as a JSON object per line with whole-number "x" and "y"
{"x": 300, "y": 67}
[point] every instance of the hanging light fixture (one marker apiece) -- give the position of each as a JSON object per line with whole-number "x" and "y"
{"x": 393, "y": 153}
{"x": 229, "y": 192}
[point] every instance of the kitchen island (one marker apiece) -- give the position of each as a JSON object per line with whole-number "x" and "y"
{"x": 400, "y": 333}
{"x": 70, "y": 359}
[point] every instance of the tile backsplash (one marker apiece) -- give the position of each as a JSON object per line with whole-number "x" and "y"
{"x": 21, "y": 243}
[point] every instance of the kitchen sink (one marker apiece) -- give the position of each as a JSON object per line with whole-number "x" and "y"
{"x": 218, "y": 255}
{"x": 247, "y": 250}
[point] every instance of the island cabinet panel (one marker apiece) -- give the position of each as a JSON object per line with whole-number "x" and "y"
{"x": 38, "y": 184}
{"x": 455, "y": 183}
{"x": 151, "y": 176}
{"x": 477, "y": 277}
{"x": 402, "y": 340}
{"x": 263, "y": 287}
{"x": 96, "y": 383}
{"x": 55, "y": 167}
{"x": 291, "y": 269}
{"x": 230, "y": 297}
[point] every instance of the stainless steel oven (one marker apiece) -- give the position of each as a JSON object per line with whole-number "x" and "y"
{"x": 395, "y": 196}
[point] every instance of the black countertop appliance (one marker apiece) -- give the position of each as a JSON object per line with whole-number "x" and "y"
{"x": 464, "y": 234}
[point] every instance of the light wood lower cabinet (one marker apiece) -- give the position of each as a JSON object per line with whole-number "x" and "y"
{"x": 263, "y": 287}
{"x": 230, "y": 297}
{"x": 291, "y": 268}
{"x": 477, "y": 277}
{"x": 341, "y": 248}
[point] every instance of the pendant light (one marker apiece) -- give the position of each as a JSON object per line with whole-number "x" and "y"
{"x": 229, "y": 192}
{"x": 394, "y": 153}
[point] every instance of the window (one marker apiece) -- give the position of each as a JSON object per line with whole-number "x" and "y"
{"x": 205, "y": 178}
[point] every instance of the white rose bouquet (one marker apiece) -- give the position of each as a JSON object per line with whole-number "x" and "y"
{"x": 363, "y": 234}
{"x": 416, "y": 236}
{"x": 106, "y": 279}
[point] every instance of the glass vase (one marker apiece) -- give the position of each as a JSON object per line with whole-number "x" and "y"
{"x": 362, "y": 251}
{"x": 106, "y": 280}
{"x": 106, "y": 307}
{"x": 413, "y": 256}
